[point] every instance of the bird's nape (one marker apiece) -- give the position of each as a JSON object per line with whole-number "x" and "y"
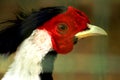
{"x": 23, "y": 26}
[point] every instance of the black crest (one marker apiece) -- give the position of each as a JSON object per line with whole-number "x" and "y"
{"x": 11, "y": 37}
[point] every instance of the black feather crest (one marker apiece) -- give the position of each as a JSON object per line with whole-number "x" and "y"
{"x": 23, "y": 26}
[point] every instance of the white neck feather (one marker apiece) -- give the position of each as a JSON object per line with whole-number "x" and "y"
{"x": 27, "y": 62}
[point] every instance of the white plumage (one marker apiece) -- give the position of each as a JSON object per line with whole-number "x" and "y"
{"x": 27, "y": 62}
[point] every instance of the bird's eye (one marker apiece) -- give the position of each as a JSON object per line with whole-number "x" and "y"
{"x": 62, "y": 28}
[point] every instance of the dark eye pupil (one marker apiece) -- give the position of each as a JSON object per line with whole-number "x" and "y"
{"x": 62, "y": 27}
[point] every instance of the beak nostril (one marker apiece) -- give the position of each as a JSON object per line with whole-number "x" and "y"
{"x": 75, "y": 39}
{"x": 86, "y": 29}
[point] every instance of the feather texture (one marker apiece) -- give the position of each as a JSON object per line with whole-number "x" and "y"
{"x": 12, "y": 37}
{"x": 29, "y": 55}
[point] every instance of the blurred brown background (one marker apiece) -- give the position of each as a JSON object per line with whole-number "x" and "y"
{"x": 93, "y": 58}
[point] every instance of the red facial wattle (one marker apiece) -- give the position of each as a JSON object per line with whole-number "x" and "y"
{"x": 63, "y": 28}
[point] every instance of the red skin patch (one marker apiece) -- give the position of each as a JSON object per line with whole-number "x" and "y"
{"x": 62, "y": 40}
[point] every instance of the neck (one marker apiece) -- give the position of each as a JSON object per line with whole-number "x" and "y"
{"x": 29, "y": 55}
{"x": 48, "y": 65}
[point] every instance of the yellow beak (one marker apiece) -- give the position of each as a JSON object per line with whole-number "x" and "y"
{"x": 92, "y": 31}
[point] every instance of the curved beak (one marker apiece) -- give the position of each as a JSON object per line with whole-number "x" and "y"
{"x": 92, "y": 31}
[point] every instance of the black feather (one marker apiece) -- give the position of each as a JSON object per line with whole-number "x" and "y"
{"x": 48, "y": 65}
{"x": 11, "y": 37}
{"x": 39, "y": 18}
